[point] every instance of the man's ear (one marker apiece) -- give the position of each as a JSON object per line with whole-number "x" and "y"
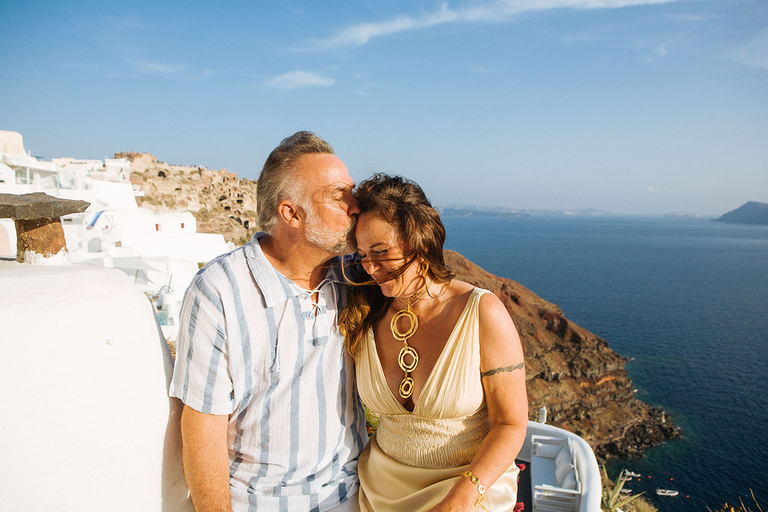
{"x": 289, "y": 213}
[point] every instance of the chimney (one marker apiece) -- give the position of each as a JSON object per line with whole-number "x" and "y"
{"x": 39, "y": 235}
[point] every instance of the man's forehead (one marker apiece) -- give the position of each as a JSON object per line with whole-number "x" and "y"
{"x": 324, "y": 171}
{"x": 331, "y": 191}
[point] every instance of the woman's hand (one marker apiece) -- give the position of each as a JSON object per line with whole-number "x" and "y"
{"x": 461, "y": 498}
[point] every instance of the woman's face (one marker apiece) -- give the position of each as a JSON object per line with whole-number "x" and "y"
{"x": 381, "y": 249}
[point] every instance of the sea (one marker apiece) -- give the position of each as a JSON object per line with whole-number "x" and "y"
{"x": 686, "y": 300}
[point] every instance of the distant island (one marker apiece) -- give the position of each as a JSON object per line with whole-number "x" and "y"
{"x": 461, "y": 212}
{"x": 682, "y": 215}
{"x": 751, "y": 212}
{"x": 464, "y": 210}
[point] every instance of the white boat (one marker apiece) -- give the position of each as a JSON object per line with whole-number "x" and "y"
{"x": 631, "y": 474}
{"x": 564, "y": 474}
{"x": 666, "y": 492}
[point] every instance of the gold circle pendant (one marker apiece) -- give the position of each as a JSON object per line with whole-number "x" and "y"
{"x": 406, "y": 387}
{"x": 404, "y": 313}
{"x": 405, "y": 353}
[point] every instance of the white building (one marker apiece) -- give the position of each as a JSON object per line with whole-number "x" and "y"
{"x": 161, "y": 251}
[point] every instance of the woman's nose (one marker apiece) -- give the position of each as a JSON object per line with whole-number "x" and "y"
{"x": 368, "y": 266}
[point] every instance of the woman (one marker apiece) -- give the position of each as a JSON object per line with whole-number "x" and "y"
{"x": 437, "y": 359}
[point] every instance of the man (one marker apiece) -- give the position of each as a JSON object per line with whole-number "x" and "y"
{"x": 271, "y": 418}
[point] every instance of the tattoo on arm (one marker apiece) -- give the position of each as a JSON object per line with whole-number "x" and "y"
{"x": 512, "y": 368}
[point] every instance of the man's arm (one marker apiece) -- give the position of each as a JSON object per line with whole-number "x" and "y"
{"x": 206, "y": 460}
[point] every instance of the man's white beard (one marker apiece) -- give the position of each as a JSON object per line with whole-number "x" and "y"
{"x": 339, "y": 242}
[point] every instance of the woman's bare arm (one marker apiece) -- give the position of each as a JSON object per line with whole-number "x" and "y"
{"x": 503, "y": 376}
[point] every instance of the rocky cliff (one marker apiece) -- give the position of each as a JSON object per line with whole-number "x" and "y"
{"x": 574, "y": 373}
{"x": 219, "y": 200}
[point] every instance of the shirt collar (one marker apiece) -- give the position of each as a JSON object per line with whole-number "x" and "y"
{"x": 275, "y": 287}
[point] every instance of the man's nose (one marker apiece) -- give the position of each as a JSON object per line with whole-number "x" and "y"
{"x": 353, "y": 207}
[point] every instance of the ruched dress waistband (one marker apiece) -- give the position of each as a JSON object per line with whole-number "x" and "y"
{"x": 431, "y": 442}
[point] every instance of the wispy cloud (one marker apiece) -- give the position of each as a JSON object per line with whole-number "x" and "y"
{"x": 653, "y": 50}
{"x": 755, "y": 52}
{"x": 691, "y": 17}
{"x": 497, "y": 11}
{"x": 570, "y": 39}
{"x": 370, "y": 88}
{"x": 300, "y": 80}
{"x": 156, "y": 68}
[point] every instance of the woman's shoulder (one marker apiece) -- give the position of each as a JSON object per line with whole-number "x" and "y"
{"x": 496, "y": 325}
{"x": 459, "y": 292}
{"x": 490, "y": 306}
{"x": 462, "y": 289}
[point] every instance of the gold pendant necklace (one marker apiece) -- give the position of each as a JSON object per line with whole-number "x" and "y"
{"x": 408, "y": 358}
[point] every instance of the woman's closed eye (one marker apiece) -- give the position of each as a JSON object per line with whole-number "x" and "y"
{"x": 374, "y": 253}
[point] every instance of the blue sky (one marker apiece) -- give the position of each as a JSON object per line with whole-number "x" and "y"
{"x": 630, "y": 106}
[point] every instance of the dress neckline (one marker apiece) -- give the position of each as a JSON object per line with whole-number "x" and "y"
{"x": 448, "y": 342}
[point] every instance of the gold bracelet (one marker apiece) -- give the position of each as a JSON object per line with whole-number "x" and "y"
{"x": 480, "y": 487}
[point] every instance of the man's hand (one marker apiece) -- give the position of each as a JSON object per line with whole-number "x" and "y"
{"x": 206, "y": 460}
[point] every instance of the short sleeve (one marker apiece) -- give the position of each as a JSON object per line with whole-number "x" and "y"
{"x": 201, "y": 375}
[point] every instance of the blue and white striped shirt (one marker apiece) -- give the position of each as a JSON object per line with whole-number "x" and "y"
{"x": 252, "y": 346}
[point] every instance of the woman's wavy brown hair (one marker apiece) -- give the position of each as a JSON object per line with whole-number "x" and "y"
{"x": 402, "y": 203}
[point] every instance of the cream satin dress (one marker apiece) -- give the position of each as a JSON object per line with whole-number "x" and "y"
{"x": 416, "y": 457}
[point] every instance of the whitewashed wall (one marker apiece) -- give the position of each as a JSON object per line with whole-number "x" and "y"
{"x": 86, "y": 421}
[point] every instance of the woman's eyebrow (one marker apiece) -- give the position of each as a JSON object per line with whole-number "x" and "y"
{"x": 372, "y": 247}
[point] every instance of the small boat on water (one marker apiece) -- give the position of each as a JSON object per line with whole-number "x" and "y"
{"x": 631, "y": 474}
{"x": 666, "y": 492}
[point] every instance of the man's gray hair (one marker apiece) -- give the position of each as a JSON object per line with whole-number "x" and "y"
{"x": 278, "y": 180}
